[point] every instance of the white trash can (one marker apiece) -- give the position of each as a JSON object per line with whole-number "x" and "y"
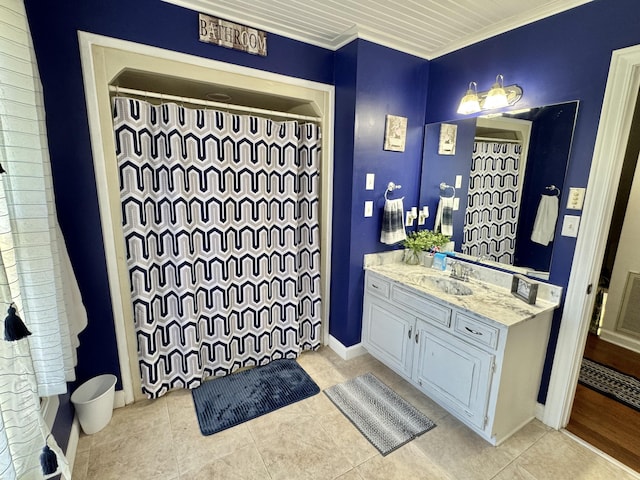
{"x": 93, "y": 401}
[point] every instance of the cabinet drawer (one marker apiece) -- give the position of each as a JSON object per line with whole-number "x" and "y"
{"x": 475, "y": 330}
{"x": 433, "y": 311}
{"x": 377, "y": 285}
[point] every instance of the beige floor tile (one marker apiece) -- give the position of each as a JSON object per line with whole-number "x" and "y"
{"x": 311, "y": 439}
{"x": 348, "y": 439}
{"x": 350, "y": 475}
{"x": 80, "y": 465}
{"x": 193, "y": 450}
{"x": 461, "y": 452}
{"x": 132, "y": 419}
{"x": 140, "y": 454}
{"x": 299, "y": 449}
{"x": 243, "y": 464}
{"x": 556, "y": 455}
{"x": 408, "y": 462}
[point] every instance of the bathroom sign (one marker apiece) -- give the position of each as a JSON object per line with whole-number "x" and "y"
{"x": 232, "y": 35}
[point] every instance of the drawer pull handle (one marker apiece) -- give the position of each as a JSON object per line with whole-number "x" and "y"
{"x": 416, "y": 337}
{"x": 475, "y": 332}
{"x": 375, "y": 286}
{"x": 410, "y": 332}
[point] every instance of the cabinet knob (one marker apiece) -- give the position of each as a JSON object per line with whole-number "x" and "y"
{"x": 410, "y": 332}
{"x": 417, "y": 333}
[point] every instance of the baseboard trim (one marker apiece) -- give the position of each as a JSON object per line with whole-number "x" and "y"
{"x": 49, "y": 408}
{"x": 620, "y": 340}
{"x": 346, "y": 353}
{"x": 72, "y": 446}
{"x": 118, "y": 399}
{"x": 540, "y": 411}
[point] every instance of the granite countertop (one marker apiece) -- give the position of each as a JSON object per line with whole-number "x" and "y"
{"x": 488, "y": 300}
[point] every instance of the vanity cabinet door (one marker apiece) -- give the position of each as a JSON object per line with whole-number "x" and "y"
{"x": 387, "y": 334}
{"x": 455, "y": 373}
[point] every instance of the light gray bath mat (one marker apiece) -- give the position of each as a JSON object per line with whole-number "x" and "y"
{"x": 381, "y": 415}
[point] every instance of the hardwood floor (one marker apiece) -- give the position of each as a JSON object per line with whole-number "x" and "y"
{"x": 606, "y": 424}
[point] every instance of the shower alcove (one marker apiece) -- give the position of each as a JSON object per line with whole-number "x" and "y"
{"x": 112, "y": 66}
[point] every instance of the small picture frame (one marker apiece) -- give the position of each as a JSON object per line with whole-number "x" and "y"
{"x": 395, "y": 135}
{"x": 524, "y": 288}
{"x": 448, "y": 134}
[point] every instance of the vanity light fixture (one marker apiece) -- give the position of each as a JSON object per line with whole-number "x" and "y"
{"x": 470, "y": 102}
{"x": 498, "y": 96}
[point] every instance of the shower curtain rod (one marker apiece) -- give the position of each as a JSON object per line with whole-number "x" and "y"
{"x": 497, "y": 140}
{"x": 209, "y": 103}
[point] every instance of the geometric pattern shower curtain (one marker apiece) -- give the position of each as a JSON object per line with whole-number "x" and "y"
{"x": 220, "y": 219}
{"x": 491, "y": 219}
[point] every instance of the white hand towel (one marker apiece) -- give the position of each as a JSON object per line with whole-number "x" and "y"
{"x": 392, "y": 222}
{"x": 545, "y": 223}
{"x": 444, "y": 216}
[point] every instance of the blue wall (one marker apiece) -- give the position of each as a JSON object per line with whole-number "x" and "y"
{"x": 386, "y": 82}
{"x": 565, "y": 57}
{"x": 558, "y": 59}
{"x": 54, "y": 30}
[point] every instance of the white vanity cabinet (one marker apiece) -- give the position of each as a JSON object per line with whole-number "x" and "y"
{"x": 485, "y": 373}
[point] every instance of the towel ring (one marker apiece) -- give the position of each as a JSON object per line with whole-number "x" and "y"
{"x": 390, "y": 188}
{"x": 444, "y": 186}
{"x": 553, "y": 187}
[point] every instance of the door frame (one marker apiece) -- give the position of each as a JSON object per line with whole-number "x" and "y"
{"x": 620, "y": 98}
{"x": 103, "y": 59}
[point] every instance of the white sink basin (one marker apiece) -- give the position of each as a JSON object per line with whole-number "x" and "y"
{"x": 449, "y": 285}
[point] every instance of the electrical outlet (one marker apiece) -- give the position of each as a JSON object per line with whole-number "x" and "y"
{"x": 458, "y": 181}
{"x": 456, "y": 203}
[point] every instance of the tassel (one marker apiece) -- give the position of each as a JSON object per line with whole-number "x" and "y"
{"x": 48, "y": 460}
{"x": 14, "y": 328}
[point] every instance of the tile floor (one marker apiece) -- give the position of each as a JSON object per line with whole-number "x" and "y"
{"x": 312, "y": 440}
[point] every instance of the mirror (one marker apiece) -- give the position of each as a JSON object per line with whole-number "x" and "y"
{"x": 507, "y": 163}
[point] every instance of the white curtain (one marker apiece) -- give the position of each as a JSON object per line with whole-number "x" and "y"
{"x": 35, "y": 271}
{"x": 491, "y": 218}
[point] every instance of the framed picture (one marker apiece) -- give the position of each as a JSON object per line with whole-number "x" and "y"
{"x": 524, "y": 288}
{"x": 395, "y": 134}
{"x": 448, "y": 134}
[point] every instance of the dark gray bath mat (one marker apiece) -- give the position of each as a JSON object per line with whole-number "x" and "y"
{"x": 228, "y": 401}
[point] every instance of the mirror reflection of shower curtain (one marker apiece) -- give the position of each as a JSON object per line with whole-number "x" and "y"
{"x": 491, "y": 218}
{"x": 220, "y": 218}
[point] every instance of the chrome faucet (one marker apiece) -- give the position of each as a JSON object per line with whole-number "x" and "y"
{"x": 460, "y": 271}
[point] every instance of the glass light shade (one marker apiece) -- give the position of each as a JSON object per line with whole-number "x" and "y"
{"x": 496, "y": 98}
{"x": 469, "y": 103}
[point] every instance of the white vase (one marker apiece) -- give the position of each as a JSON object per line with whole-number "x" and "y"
{"x": 427, "y": 259}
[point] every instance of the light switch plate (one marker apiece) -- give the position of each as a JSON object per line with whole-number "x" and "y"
{"x": 570, "y": 226}
{"x": 576, "y": 198}
{"x": 368, "y": 208}
{"x": 458, "y": 181}
{"x": 371, "y": 178}
{"x": 456, "y": 203}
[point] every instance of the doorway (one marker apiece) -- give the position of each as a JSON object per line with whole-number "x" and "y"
{"x": 596, "y": 418}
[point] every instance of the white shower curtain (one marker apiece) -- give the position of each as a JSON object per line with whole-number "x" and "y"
{"x": 491, "y": 219}
{"x": 220, "y": 218}
{"x": 35, "y": 272}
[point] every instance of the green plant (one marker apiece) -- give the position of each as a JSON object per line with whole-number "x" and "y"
{"x": 425, "y": 241}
